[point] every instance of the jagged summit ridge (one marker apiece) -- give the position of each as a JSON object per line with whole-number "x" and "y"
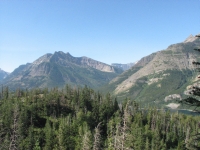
{"x": 191, "y": 38}
{"x": 66, "y": 58}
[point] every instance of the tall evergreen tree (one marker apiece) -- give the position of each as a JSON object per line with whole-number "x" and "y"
{"x": 48, "y": 136}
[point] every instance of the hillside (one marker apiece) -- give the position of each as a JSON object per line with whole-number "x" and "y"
{"x": 59, "y": 69}
{"x": 156, "y": 77}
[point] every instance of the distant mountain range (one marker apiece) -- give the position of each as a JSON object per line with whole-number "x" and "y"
{"x": 123, "y": 66}
{"x": 160, "y": 78}
{"x": 59, "y": 69}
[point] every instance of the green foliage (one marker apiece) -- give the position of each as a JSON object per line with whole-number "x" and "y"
{"x": 150, "y": 94}
{"x": 80, "y": 118}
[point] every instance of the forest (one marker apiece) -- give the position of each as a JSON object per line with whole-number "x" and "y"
{"x": 75, "y": 118}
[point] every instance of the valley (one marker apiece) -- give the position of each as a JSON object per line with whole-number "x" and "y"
{"x": 150, "y": 81}
{"x": 99, "y": 75}
{"x": 65, "y": 102}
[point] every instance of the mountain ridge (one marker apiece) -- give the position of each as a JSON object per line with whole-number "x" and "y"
{"x": 3, "y": 74}
{"x": 61, "y": 68}
{"x": 159, "y": 75}
{"x": 159, "y": 62}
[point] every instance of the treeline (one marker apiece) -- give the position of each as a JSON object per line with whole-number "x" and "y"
{"x": 80, "y": 118}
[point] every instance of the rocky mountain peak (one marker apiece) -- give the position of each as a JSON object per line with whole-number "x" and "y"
{"x": 191, "y": 38}
{"x": 65, "y": 59}
{"x": 68, "y": 54}
{"x": 61, "y": 53}
{"x": 59, "y": 57}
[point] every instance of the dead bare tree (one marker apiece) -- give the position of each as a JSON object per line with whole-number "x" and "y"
{"x": 14, "y": 131}
{"x": 97, "y": 138}
{"x": 122, "y": 129}
{"x": 86, "y": 141}
{"x": 125, "y": 126}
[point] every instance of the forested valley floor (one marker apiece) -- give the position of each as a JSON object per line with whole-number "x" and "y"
{"x": 80, "y": 118}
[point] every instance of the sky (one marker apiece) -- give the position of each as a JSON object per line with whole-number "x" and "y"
{"x": 110, "y": 31}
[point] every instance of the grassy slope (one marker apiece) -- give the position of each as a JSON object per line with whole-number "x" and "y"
{"x": 154, "y": 94}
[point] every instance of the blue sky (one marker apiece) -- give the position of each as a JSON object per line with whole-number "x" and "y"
{"x": 110, "y": 31}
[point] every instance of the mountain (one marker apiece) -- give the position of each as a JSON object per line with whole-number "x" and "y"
{"x": 160, "y": 78}
{"x": 59, "y": 69}
{"x": 123, "y": 66}
{"x": 3, "y": 74}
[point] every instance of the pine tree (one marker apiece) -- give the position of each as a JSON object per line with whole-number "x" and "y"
{"x": 31, "y": 141}
{"x": 37, "y": 146}
{"x": 147, "y": 144}
{"x": 48, "y": 136}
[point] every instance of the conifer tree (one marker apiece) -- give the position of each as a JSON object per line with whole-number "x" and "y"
{"x": 37, "y": 146}
{"x": 48, "y": 136}
{"x": 31, "y": 141}
{"x": 147, "y": 144}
